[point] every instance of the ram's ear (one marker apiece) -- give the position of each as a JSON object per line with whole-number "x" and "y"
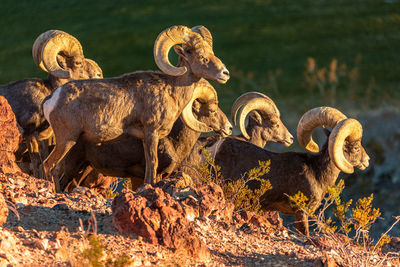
{"x": 180, "y": 51}
{"x": 256, "y": 117}
{"x": 196, "y": 106}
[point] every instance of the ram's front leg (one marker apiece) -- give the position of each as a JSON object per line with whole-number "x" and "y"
{"x": 150, "y": 143}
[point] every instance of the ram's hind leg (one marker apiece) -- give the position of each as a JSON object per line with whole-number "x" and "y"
{"x": 63, "y": 145}
{"x": 34, "y": 155}
{"x": 150, "y": 143}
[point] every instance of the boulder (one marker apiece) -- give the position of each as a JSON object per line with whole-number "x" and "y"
{"x": 206, "y": 201}
{"x": 157, "y": 217}
{"x": 9, "y": 138}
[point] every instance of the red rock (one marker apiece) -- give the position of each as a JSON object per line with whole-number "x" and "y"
{"x": 9, "y": 138}
{"x": 98, "y": 182}
{"x": 260, "y": 221}
{"x": 3, "y": 210}
{"x": 212, "y": 203}
{"x": 154, "y": 215}
{"x": 274, "y": 219}
{"x": 127, "y": 212}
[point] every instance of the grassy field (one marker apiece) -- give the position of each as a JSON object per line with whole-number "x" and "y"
{"x": 265, "y": 44}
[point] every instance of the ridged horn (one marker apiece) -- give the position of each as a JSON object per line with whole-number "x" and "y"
{"x": 205, "y": 93}
{"x": 38, "y": 46}
{"x": 97, "y": 72}
{"x": 321, "y": 116}
{"x": 57, "y": 41}
{"x": 253, "y": 101}
{"x": 205, "y": 33}
{"x": 242, "y": 100}
{"x": 349, "y": 129}
{"x": 167, "y": 39}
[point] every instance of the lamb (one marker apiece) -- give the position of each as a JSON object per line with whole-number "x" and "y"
{"x": 264, "y": 125}
{"x": 143, "y": 104}
{"x": 291, "y": 172}
{"x": 126, "y": 157}
{"x": 61, "y": 55}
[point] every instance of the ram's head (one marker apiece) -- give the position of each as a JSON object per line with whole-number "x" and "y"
{"x": 61, "y": 55}
{"x": 344, "y": 145}
{"x": 264, "y": 120}
{"x": 196, "y": 54}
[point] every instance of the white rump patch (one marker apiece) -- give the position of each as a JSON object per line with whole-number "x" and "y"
{"x": 50, "y": 103}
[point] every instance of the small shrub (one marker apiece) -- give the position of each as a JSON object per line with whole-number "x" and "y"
{"x": 208, "y": 170}
{"x": 112, "y": 190}
{"x": 359, "y": 219}
{"x": 127, "y": 184}
{"x": 237, "y": 191}
{"x": 95, "y": 255}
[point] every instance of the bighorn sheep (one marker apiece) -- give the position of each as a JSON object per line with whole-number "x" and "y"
{"x": 126, "y": 157}
{"x": 310, "y": 173}
{"x": 264, "y": 125}
{"x": 142, "y": 104}
{"x": 61, "y": 55}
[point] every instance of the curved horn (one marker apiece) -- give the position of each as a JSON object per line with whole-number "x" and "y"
{"x": 57, "y": 41}
{"x": 349, "y": 129}
{"x": 243, "y": 99}
{"x": 167, "y": 39}
{"x": 96, "y": 71}
{"x": 205, "y": 33}
{"x": 321, "y": 116}
{"x": 38, "y": 46}
{"x": 262, "y": 103}
{"x": 205, "y": 93}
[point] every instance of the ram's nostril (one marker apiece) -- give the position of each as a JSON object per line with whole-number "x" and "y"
{"x": 225, "y": 72}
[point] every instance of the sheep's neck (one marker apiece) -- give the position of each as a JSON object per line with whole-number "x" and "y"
{"x": 255, "y": 134}
{"x": 184, "y": 87}
{"x": 183, "y": 139}
{"x": 55, "y": 82}
{"x": 328, "y": 172}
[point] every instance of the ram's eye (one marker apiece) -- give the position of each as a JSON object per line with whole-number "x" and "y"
{"x": 204, "y": 60}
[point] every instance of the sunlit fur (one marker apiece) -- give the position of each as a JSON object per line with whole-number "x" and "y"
{"x": 125, "y": 158}
{"x": 142, "y": 104}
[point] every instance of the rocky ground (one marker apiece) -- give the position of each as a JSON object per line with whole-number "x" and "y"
{"x": 172, "y": 223}
{"x": 43, "y": 228}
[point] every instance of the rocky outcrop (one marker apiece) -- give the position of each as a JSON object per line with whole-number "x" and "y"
{"x": 9, "y": 138}
{"x": 206, "y": 201}
{"x": 157, "y": 217}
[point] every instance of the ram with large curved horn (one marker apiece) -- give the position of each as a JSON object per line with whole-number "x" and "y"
{"x": 125, "y": 158}
{"x": 59, "y": 54}
{"x": 264, "y": 125}
{"x": 291, "y": 172}
{"x": 143, "y": 104}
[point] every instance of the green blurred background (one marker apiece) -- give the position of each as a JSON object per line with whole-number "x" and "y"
{"x": 265, "y": 44}
{"x": 302, "y": 53}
